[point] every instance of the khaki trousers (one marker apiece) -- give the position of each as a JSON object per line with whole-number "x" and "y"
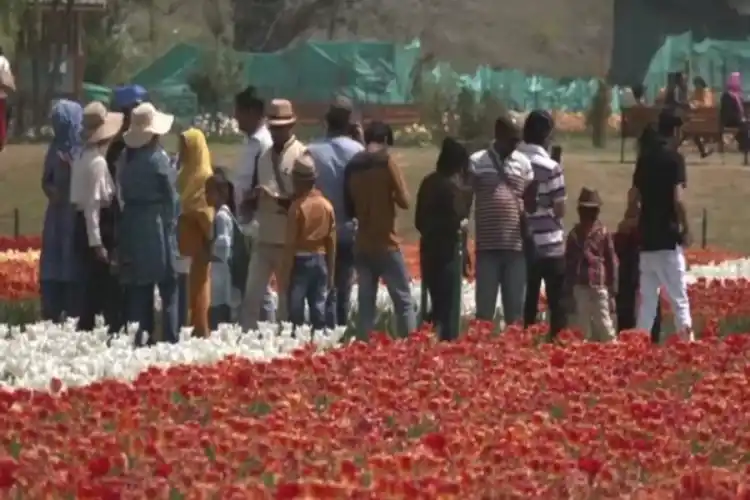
{"x": 593, "y": 315}
{"x": 264, "y": 262}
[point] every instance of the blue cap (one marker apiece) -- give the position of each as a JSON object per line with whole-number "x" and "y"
{"x": 128, "y": 96}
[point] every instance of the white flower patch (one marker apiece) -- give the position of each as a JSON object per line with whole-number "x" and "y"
{"x": 43, "y": 351}
{"x": 31, "y": 359}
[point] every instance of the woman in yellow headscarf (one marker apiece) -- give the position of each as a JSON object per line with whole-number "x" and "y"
{"x": 195, "y": 226}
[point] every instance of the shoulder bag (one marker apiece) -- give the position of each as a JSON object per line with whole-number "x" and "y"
{"x": 527, "y": 236}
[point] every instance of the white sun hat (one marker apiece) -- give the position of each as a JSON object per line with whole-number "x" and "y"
{"x": 146, "y": 122}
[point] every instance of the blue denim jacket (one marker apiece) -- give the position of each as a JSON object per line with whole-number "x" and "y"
{"x": 147, "y": 249}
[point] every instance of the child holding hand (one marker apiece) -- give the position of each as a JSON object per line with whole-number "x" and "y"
{"x": 627, "y": 246}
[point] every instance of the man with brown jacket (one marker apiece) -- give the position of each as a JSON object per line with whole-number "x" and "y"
{"x": 374, "y": 190}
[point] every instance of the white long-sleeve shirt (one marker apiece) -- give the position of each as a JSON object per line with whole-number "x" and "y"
{"x": 91, "y": 189}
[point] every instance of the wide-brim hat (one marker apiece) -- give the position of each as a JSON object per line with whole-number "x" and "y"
{"x": 145, "y": 123}
{"x": 589, "y": 198}
{"x": 280, "y": 113}
{"x": 304, "y": 168}
{"x": 99, "y": 124}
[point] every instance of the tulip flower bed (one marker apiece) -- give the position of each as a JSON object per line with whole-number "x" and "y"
{"x": 487, "y": 417}
{"x": 19, "y": 279}
{"x": 270, "y": 415}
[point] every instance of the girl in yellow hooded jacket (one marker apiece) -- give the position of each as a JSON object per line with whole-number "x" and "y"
{"x": 195, "y": 225}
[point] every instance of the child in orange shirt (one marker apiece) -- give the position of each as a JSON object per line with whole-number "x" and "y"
{"x": 307, "y": 265}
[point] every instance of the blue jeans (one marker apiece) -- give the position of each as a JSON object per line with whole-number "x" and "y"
{"x": 506, "y": 270}
{"x": 61, "y": 299}
{"x": 441, "y": 277}
{"x": 309, "y": 283}
{"x": 140, "y": 308}
{"x": 338, "y": 301}
{"x": 389, "y": 266}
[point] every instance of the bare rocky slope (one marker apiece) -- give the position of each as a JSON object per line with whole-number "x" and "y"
{"x": 563, "y": 38}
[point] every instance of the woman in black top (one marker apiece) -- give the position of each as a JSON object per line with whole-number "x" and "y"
{"x": 443, "y": 205}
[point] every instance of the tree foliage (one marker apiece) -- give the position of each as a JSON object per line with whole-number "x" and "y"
{"x": 222, "y": 70}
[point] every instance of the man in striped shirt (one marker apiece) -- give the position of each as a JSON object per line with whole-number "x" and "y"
{"x": 500, "y": 177}
{"x": 545, "y": 224}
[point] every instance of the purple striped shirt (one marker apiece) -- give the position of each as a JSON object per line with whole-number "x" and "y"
{"x": 546, "y": 228}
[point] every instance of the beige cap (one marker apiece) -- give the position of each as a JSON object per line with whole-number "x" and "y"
{"x": 304, "y": 168}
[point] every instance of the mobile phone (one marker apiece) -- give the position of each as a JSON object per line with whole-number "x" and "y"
{"x": 556, "y": 153}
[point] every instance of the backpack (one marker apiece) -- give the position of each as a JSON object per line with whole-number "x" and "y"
{"x": 240, "y": 258}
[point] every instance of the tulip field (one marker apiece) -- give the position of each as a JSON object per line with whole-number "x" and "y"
{"x": 271, "y": 415}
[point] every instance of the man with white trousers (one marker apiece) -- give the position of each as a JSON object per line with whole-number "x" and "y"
{"x": 659, "y": 182}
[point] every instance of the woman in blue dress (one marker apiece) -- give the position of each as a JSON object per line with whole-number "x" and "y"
{"x": 60, "y": 268}
{"x": 147, "y": 243}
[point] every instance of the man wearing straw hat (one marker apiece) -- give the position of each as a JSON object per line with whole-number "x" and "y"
{"x": 272, "y": 195}
{"x": 92, "y": 192}
{"x": 147, "y": 241}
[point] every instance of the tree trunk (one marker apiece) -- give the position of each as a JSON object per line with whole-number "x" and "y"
{"x": 599, "y": 115}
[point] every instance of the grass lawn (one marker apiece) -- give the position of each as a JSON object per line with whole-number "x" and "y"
{"x": 719, "y": 188}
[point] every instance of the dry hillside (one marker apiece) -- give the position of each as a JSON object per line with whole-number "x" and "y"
{"x": 553, "y": 37}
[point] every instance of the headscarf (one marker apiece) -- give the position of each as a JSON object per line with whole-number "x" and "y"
{"x": 195, "y": 169}
{"x": 66, "y": 118}
{"x": 734, "y": 88}
{"x": 734, "y": 84}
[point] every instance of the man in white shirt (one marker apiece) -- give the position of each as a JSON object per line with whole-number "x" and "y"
{"x": 249, "y": 111}
{"x": 5, "y": 71}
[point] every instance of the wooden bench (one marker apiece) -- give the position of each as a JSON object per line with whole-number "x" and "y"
{"x": 395, "y": 115}
{"x": 699, "y": 122}
{"x": 706, "y": 123}
{"x": 633, "y": 122}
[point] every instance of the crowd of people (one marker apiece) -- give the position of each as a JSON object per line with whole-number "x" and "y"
{"x": 124, "y": 218}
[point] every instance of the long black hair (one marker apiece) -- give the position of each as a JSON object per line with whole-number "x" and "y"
{"x": 221, "y": 178}
{"x": 453, "y": 157}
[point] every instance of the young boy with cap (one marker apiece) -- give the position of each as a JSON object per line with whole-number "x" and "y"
{"x": 591, "y": 270}
{"x": 308, "y": 262}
